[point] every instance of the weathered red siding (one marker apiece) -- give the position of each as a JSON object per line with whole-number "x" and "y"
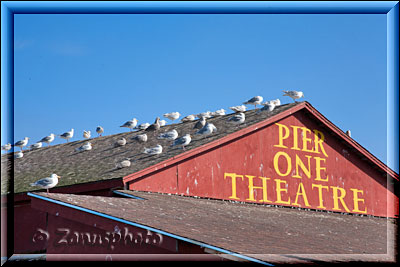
{"x": 347, "y": 179}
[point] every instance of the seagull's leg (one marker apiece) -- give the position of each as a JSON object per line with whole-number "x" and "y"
{"x": 47, "y": 190}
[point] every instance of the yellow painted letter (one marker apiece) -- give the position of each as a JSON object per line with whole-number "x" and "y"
{"x": 320, "y": 187}
{"x": 288, "y": 161}
{"x": 252, "y": 187}
{"x": 303, "y": 194}
{"x": 318, "y": 142}
{"x": 278, "y": 192}
{"x": 233, "y": 176}
{"x": 295, "y": 138}
{"x": 356, "y": 200}
{"x": 281, "y": 135}
{"x": 306, "y": 140}
{"x": 318, "y": 169}
{"x": 336, "y": 198}
{"x": 306, "y": 171}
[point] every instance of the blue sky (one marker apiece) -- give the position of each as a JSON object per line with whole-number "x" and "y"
{"x": 81, "y": 71}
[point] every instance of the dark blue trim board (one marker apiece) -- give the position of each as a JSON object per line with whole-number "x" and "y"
{"x": 127, "y": 195}
{"x": 149, "y": 228}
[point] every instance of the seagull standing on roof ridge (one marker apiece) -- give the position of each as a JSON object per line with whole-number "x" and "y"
{"x": 48, "y": 182}
{"x": 67, "y": 135}
{"x": 130, "y": 124}
{"x": 183, "y": 141}
{"x": 36, "y": 145}
{"x": 172, "y": 116}
{"x": 155, "y": 126}
{"x": 254, "y": 101}
{"x": 277, "y": 102}
{"x": 85, "y": 147}
{"x": 241, "y": 108}
{"x": 141, "y": 138}
{"x": 153, "y": 150}
{"x": 200, "y": 124}
{"x": 99, "y": 130}
{"x": 86, "y": 134}
{"x": 237, "y": 118}
{"x": 208, "y": 129}
{"x": 162, "y": 123}
{"x": 294, "y": 94}
{"x": 268, "y": 106}
{"x": 6, "y": 147}
{"x": 143, "y": 126}
{"x": 206, "y": 115}
{"x": 171, "y": 135}
{"x": 188, "y": 118}
{"x": 22, "y": 143}
{"x": 18, "y": 155}
{"x": 48, "y": 139}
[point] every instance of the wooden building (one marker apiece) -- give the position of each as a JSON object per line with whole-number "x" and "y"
{"x": 286, "y": 182}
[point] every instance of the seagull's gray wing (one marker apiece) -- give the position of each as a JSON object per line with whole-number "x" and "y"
{"x": 44, "y": 182}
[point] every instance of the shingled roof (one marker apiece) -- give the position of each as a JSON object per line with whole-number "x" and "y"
{"x": 100, "y": 163}
{"x": 248, "y": 229}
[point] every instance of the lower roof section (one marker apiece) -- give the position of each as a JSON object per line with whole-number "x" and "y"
{"x": 253, "y": 232}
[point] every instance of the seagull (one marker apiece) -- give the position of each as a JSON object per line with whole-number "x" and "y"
{"x": 120, "y": 142}
{"x": 6, "y": 147}
{"x": 294, "y": 94}
{"x": 143, "y": 126}
{"x": 130, "y": 124}
{"x": 348, "y": 132}
{"x": 254, "y": 101}
{"x": 99, "y": 130}
{"x": 18, "y": 155}
{"x": 48, "y": 182}
{"x": 171, "y": 135}
{"x": 155, "y": 126}
{"x": 153, "y": 150}
{"x": 268, "y": 106}
{"x": 237, "y": 118}
{"x": 36, "y": 145}
{"x": 85, "y": 147}
{"x": 67, "y": 135}
{"x": 86, "y": 134}
{"x": 22, "y": 143}
{"x": 48, "y": 139}
{"x": 163, "y": 122}
{"x": 141, "y": 138}
{"x": 220, "y": 112}
{"x": 188, "y": 118}
{"x": 200, "y": 124}
{"x": 208, "y": 129}
{"x": 123, "y": 164}
{"x": 183, "y": 141}
{"x": 241, "y": 108}
{"x": 277, "y": 102}
{"x": 206, "y": 115}
{"x": 172, "y": 116}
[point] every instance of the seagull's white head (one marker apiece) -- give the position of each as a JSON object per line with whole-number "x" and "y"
{"x": 301, "y": 93}
{"x": 55, "y": 176}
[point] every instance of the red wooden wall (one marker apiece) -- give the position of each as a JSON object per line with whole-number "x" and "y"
{"x": 258, "y": 165}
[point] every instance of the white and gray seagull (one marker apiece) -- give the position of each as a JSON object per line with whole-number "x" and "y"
{"x": 6, "y": 147}
{"x": 219, "y": 112}
{"x": 188, "y": 118}
{"x": 86, "y": 134}
{"x": 130, "y": 124}
{"x": 208, "y": 129}
{"x": 153, "y": 150}
{"x": 237, "y": 118}
{"x": 85, "y": 147}
{"x": 48, "y": 139}
{"x": 241, "y": 108}
{"x": 99, "y": 130}
{"x": 172, "y": 116}
{"x": 254, "y": 101}
{"x": 141, "y": 138}
{"x": 294, "y": 94}
{"x": 183, "y": 141}
{"x": 67, "y": 135}
{"x": 36, "y": 145}
{"x": 18, "y": 155}
{"x": 268, "y": 106}
{"x": 171, "y": 135}
{"x": 200, "y": 124}
{"x": 48, "y": 182}
{"x": 22, "y": 143}
{"x": 123, "y": 164}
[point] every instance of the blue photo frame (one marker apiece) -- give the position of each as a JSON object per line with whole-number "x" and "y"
{"x": 390, "y": 8}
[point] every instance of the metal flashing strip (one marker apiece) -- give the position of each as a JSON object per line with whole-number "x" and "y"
{"x": 198, "y": 243}
{"x": 128, "y": 195}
